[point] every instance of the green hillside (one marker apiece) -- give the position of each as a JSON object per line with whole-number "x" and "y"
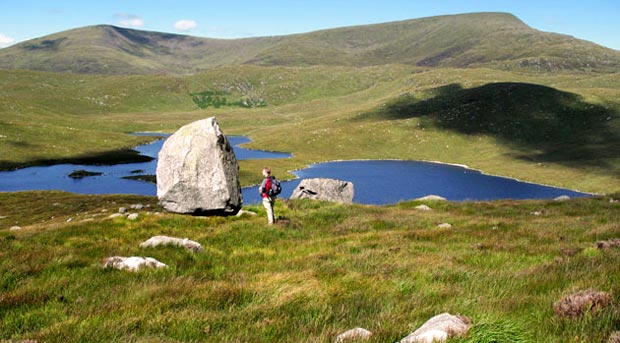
{"x": 495, "y": 40}
{"x": 324, "y": 269}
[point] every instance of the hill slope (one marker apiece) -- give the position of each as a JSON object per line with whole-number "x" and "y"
{"x": 496, "y": 40}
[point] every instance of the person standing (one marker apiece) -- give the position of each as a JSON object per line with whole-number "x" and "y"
{"x": 268, "y": 199}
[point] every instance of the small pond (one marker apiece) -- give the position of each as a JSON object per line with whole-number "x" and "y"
{"x": 376, "y": 181}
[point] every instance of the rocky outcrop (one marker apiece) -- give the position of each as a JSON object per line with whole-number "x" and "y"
{"x": 197, "y": 171}
{"x": 439, "y": 329}
{"x": 325, "y": 189}
{"x": 580, "y": 303}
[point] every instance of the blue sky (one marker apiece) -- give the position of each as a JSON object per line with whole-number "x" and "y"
{"x": 594, "y": 20}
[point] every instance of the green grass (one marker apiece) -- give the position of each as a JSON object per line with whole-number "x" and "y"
{"x": 325, "y": 270}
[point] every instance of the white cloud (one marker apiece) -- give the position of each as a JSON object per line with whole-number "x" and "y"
{"x": 5, "y": 41}
{"x": 129, "y": 20}
{"x": 185, "y": 25}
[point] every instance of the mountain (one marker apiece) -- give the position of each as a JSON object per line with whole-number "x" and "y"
{"x": 495, "y": 40}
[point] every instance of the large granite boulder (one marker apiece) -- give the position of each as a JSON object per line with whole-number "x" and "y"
{"x": 324, "y": 189}
{"x": 197, "y": 171}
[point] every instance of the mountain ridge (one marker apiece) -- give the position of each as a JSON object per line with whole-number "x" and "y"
{"x": 494, "y": 40}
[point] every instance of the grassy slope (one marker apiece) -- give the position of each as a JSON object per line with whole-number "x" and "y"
{"x": 334, "y": 113}
{"x": 327, "y": 269}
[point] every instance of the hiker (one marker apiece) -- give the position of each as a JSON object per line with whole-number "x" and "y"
{"x": 269, "y": 189}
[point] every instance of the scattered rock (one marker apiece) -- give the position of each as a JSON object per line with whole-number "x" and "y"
{"x": 444, "y": 225}
{"x": 15, "y": 228}
{"x": 242, "y": 212}
{"x": 69, "y": 220}
{"x": 197, "y": 171}
{"x": 608, "y": 244}
{"x": 2, "y": 217}
{"x": 137, "y": 206}
{"x": 133, "y": 216}
{"x": 357, "y": 334}
{"x": 577, "y": 304}
{"x": 165, "y": 240}
{"x": 537, "y": 213}
{"x": 439, "y": 329}
{"x": 562, "y": 198}
{"x": 115, "y": 215}
{"x": 133, "y": 263}
{"x": 423, "y": 208}
{"x": 432, "y": 197}
{"x": 325, "y": 189}
{"x": 122, "y": 210}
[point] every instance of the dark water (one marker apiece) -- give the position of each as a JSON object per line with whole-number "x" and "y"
{"x": 376, "y": 182}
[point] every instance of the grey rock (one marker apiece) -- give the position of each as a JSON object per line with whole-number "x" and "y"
{"x": 133, "y": 216}
{"x": 133, "y": 263}
{"x": 354, "y": 335}
{"x": 197, "y": 171}
{"x": 15, "y": 228}
{"x": 115, "y": 215}
{"x": 423, "y": 208}
{"x": 137, "y": 206}
{"x": 165, "y": 240}
{"x": 122, "y": 210}
{"x": 444, "y": 225}
{"x": 325, "y": 189}
{"x": 439, "y": 329}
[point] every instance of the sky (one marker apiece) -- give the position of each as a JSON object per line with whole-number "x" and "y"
{"x": 593, "y": 20}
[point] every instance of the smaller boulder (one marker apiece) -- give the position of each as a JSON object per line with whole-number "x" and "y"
{"x": 357, "y": 334}
{"x": 562, "y": 198}
{"x": 133, "y": 263}
{"x": 15, "y": 228}
{"x": 439, "y": 329}
{"x": 423, "y": 208}
{"x": 165, "y": 240}
{"x": 444, "y": 225}
{"x": 325, "y": 189}
{"x": 133, "y": 216}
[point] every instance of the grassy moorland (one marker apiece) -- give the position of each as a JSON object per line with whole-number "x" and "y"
{"x": 559, "y": 129}
{"x": 324, "y": 269}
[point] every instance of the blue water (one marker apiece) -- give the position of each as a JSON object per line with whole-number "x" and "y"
{"x": 386, "y": 182}
{"x": 375, "y": 182}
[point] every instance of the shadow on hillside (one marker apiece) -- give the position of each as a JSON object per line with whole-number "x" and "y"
{"x": 541, "y": 123}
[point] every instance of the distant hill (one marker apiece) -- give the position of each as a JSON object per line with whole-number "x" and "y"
{"x": 495, "y": 40}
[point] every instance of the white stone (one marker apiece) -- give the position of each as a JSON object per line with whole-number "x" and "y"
{"x": 122, "y": 210}
{"x": 133, "y": 263}
{"x": 357, "y": 334}
{"x": 439, "y": 329}
{"x": 562, "y": 198}
{"x": 15, "y": 228}
{"x": 242, "y": 212}
{"x": 165, "y": 240}
{"x": 444, "y": 225}
{"x": 432, "y": 197}
{"x": 423, "y": 208}
{"x": 133, "y": 216}
{"x": 197, "y": 171}
{"x": 116, "y": 215}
